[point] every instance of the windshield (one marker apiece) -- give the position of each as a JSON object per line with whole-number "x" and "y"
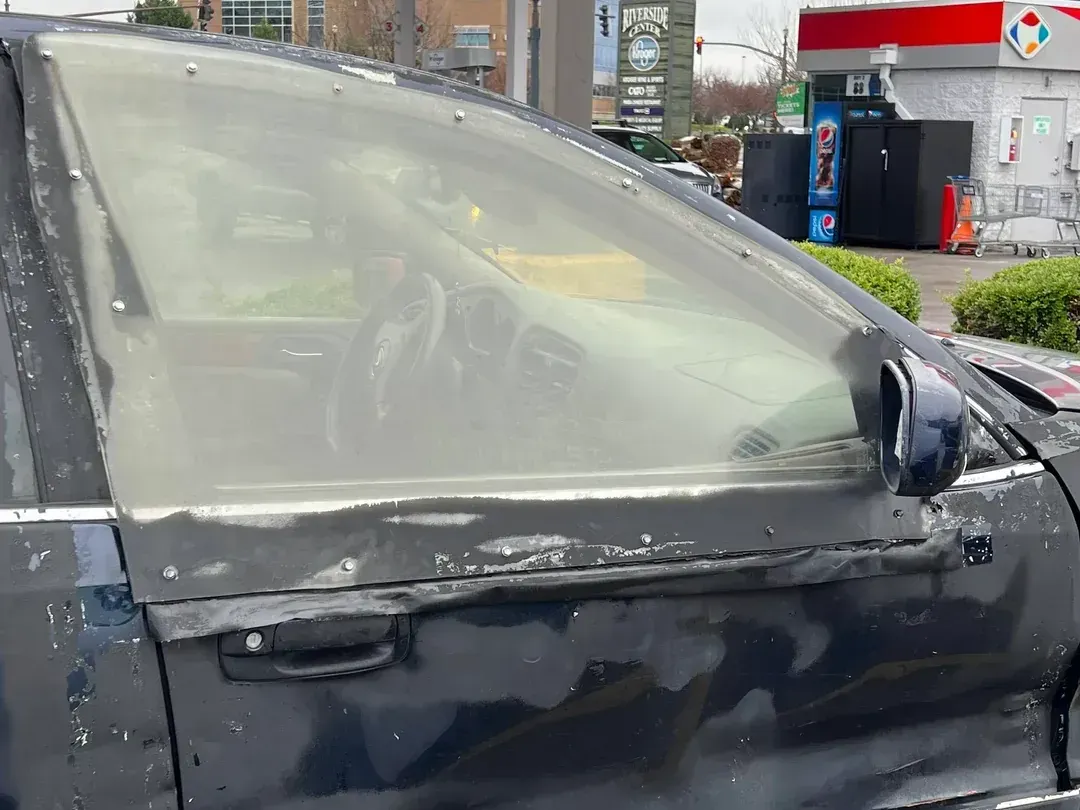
{"x": 646, "y": 147}
{"x": 303, "y": 279}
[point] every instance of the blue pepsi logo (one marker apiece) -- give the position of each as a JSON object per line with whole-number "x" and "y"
{"x": 828, "y": 226}
{"x": 826, "y": 135}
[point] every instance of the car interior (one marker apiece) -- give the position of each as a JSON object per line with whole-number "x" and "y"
{"x": 341, "y": 295}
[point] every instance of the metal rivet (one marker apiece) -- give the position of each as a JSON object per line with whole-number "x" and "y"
{"x": 459, "y": 115}
{"x": 253, "y": 640}
{"x": 338, "y": 88}
{"x": 637, "y": 190}
{"x": 192, "y": 67}
{"x": 746, "y": 253}
{"x": 868, "y": 330}
{"x": 898, "y": 513}
{"x": 770, "y": 531}
{"x": 75, "y": 174}
{"x": 46, "y": 54}
{"x": 118, "y": 305}
{"x": 507, "y": 551}
{"x": 646, "y": 539}
{"x": 627, "y": 182}
{"x": 348, "y": 564}
{"x": 170, "y": 573}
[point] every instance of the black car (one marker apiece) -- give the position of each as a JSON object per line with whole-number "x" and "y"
{"x": 650, "y": 148}
{"x": 374, "y": 441}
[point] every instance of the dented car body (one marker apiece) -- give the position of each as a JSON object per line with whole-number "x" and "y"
{"x": 374, "y": 441}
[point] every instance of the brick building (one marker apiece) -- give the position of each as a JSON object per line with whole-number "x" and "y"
{"x": 359, "y": 26}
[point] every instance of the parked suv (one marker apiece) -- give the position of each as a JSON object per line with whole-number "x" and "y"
{"x": 650, "y": 148}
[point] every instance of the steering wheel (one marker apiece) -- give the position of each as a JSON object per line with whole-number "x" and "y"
{"x": 384, "y": 370}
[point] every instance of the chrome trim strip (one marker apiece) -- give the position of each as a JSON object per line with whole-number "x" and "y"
{"x": 57, "y": 514}
{"x": 1035, "y": 801}
{"x": 997, "y": 475}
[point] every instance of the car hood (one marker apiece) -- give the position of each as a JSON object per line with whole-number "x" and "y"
{"x": 1054, "y": 374}
{"x": 687, "y": 171}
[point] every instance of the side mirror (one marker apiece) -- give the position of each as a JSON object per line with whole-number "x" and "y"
{"x": 924, "y": 430}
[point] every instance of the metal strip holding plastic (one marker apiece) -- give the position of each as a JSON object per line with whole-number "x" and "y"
{"x": 57, "y": 514}
{"x": 997, "y": 475}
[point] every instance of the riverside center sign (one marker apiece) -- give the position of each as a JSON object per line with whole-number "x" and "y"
{"x": 656, "y": 65}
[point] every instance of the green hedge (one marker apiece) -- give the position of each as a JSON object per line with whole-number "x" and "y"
{"x": 889, "y": 283}
{"x": 1037, "y": 302}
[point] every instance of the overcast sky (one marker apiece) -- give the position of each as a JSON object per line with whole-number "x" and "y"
{"x": 716, "y": 20}
{"x": 728, "y": 20}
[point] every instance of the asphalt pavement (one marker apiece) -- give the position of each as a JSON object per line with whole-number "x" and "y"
{"x": 939, "y": 274}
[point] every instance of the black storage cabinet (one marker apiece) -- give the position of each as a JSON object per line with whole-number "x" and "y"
{"x": 894, "y": 174}
{"x": 776, "y": 170}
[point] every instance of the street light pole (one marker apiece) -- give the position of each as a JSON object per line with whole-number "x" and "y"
{"x": 783, "y": 61}
{"x": 534, "y": 57}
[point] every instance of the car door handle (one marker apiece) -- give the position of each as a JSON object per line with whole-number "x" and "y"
{"x": 315, "y": 648}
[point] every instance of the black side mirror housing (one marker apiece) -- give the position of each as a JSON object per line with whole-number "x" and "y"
{"x": 924, "y": 427}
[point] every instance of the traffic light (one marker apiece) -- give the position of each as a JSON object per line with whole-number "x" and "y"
{"x": 605, "y": 25}
{"x": 698, "y": 42}
{"x": 206, "y": 13}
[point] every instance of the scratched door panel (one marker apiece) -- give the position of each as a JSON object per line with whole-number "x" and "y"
{"x": 872, "y": 692}
{"x": 82, "y": 711}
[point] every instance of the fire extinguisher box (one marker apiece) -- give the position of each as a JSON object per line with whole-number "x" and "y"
{"x": 1010, "y": 136}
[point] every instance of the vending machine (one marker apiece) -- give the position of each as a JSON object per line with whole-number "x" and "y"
{"x": 827, "y": 133}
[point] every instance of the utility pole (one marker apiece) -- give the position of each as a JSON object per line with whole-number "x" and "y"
{"x": 783, "y": 61}
{"x": 534, "y": 57}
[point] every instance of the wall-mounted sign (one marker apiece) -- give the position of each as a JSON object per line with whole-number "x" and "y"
{"x": 654, "y": 75}
{"x": 1028, "y": 33}
{"x": 858, "y": 85}
{"x": 1040, "y": 125}
{"x": 791, "y": 105}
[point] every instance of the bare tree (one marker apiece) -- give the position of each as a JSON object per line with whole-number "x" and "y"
{"x": 360, "y": 27}
{"x": 765, "y": 30}
{"x": 717, "y": 96}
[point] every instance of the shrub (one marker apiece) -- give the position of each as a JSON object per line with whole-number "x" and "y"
{"x": 1036, "y": 302}
{"x": 889, "y": 283}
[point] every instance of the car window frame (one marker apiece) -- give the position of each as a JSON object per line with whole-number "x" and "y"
{"x": 68, "y": 467}
{"x": 376, "y": 539}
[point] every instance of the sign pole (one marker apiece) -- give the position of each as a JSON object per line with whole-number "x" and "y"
{"x": 534, "y": 57}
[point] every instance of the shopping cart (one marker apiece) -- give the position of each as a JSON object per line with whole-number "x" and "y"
{"x": 985, "y": 216}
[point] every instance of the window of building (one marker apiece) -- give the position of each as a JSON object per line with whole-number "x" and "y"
{"x": 472, "y": 36}
{"x": 316, "y": 20}
{"x": 239, "y": 17}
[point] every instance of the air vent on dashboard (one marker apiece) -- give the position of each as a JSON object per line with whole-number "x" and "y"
{"x": 753, "y": 444}
{"x": 548, "y": 364}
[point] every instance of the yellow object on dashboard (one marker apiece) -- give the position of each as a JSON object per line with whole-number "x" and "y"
{"x": 612, "y": 276}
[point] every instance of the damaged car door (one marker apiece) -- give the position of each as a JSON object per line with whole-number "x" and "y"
{"x": 628, "y": 544}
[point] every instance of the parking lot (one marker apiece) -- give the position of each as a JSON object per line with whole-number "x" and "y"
{"x": 940, "y": 274}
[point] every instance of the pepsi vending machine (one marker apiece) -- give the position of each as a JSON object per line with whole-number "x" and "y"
{"x": 827, "y": 129}
{"x": 827, "y": 160}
